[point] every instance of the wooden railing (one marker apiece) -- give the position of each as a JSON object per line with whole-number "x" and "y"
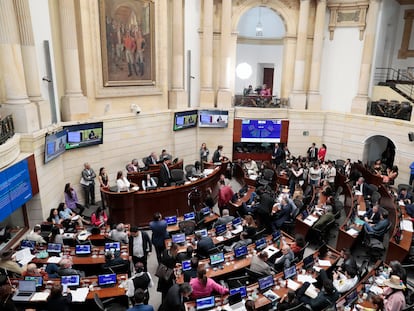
{"x": 6, "y": 128}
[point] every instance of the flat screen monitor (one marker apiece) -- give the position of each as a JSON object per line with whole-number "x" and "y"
{"x": 236, "y": 222}
{"x": 276, "y": 236}
{"x": 289, "y": 273}
{"x": 261, "y": 131}
{"x": 55, "y": 145}
{"x": 221, "y": 229}
{"x": 82, "y": 249}
{"x": 216, "y": 259}
{"x": 213, "y": 118}
{"x": 112, "y": 246}
{"x": 83, "y": 135}
{"x": 54, "y": 247}
{"x": 171, "y": 220}
{"x": 186, "y": 265}
{"x": 266, "y": 282}
{"x": 107, "y": 279}
{"x": 240, "y": 252}
{"x": 205, "y": 211}
{"x": 37, "y": 279}
{"x": 185, "y": 119}
{"x": 205, "y": 303}
{"x": 242, "y": 290}
{"x": 308, "y": 261}
{"x": 70, "y": 280}
{"x": 189, "y": 216}
{"x": 28, "y": 244}
{"x": 261, "y": 244}
{"x": 203, "y": 232}
{"x": 178, "y": 238}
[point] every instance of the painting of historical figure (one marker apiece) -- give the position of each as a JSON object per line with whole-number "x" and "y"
{"x": 127, "y": 42}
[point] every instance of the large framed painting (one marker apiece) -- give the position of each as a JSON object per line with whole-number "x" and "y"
{"x": 127, "y": 42}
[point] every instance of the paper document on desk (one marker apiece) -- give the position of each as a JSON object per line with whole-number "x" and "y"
{"x": 220, "y": 238}
{"x": 271, "y": 295}
{"x": 237, "y": 230}
{"x": 306, "y": 278}
{"x": 79, "y": 295}
{"x": 292, "y": 285}
{"x": 311, "y": 292}
{"x": 40, "y": 296}
{"x": 407, "y": 225}
{"x": 24, "y": 256}
{"x": 357, "y": 192}
{"x": 208, "y": 171}
{"x": 376, "y": 289}
{"x": 310, "y": 220}
{"x": 324, "y": 263}
{"x": 54, "y": 259}
{"x": 352, "y": 231}
{"x": 361, "y": 213}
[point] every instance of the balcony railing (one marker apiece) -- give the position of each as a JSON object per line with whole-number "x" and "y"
{"x": 6, "y": 128}
{"x": 260, "y": 101}
{"x": 390, "y": 109}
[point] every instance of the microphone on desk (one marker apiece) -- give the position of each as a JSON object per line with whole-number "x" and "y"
{"x": 177, "y": 213}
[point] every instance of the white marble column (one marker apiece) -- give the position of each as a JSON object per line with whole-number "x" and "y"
{"x": 177, "y": 95}
{"x": 224, "y": 93}
{"x": 289, "y": 43}
{"x": 31, "y": 71}
{"x": 298, "y": 98}
{"x": 359, "y": 103}
{"x": 206, "y": 65}
{"x": 74, "y": 103}
{"x": 314, "y": 97}
{"x": 13, "y": 75}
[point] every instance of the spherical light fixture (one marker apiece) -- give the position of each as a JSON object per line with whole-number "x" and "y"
{"x": 243, "y": 71}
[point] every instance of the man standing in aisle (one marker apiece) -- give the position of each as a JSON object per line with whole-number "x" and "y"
{"x": 139, "y": 246}
{"x": 88, "y": 184}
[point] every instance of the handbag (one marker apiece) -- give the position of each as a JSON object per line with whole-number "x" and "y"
{"x": 163, "y": 272}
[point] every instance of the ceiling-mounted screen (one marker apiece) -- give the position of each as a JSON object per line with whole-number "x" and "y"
{"x": 261, "y": 131}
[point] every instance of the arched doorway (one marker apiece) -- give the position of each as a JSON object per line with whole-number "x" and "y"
{"x": 379, "y": 147}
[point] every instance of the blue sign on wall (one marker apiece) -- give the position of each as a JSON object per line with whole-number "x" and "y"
{"x": 15, "y": 188}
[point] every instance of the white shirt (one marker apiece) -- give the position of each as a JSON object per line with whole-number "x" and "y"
{"x": 331, "y": 174}
{"x": 122, "y": 184}
{"x": 148, "y": 183}
{"x": 138, "y": 249}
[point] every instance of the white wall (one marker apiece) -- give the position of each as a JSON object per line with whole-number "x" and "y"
{"x": 192, "y": 43}
{"x": 255, "y": 55}
{"x": 408, "y": 62}
{"x": 273, "y": 26}
{"x": 341, "y": 60}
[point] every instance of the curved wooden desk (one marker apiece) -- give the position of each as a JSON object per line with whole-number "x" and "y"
{"x": 154, "y": 171}
{"x": 138, "y": 207}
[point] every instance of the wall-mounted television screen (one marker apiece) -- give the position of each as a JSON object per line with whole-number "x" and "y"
{"x": 83, "y": 135}
{"x": 55, "y": 145}
{"x": 185, "y": 120}
{"x": 261, "y": 131}
{"x": 213, "y": 118}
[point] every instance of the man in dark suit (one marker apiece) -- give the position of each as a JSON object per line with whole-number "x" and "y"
{"x": 204, "y": 244}
{"x": 278, "y": 155}
{"x": 380, "y": 227}
{"x": 363, "y": 187}
{"x": 325, "y": 218}
{"x": 217, "y": 156}
{"x": 312, "y": 153}
{"x": 283, "y": 214}
{"x": 373, "y": 215}
{"x": 151, "y": 159}
{"x": 139, "y": 245}
{"x": 165, "y": 174}
{"x": 176, "y": 296}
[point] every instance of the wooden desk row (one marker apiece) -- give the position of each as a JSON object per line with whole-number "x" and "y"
{"x": 207, "y": 220}
{"x": 153, "y": 171}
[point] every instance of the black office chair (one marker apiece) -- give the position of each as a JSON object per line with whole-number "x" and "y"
{"x": 253, "y": 276}
{"x": 118, "y": 269}
{"x": 299, "y": 255}
{"x": 187, "y": 226}
{"x": 406, "y": 186}
{"x": 266, "y": 178}
{"x": 108, "y": 304}
{"x": 299, "y": 307}
{"x": 189, "y": 170}
{"x": 259, "y": 234}
{"x": 363, "y": 269}
{"x": 289, "y": 225}
{"x": 177, "y": 176}
{"x": 374, "y": 247}
{"x": 321, "y": 236}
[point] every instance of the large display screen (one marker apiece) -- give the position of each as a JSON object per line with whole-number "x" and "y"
{"x": 15, "y": 188}
{"x": 261, "y": 131}
{"x": 55, "y": 145}
{"x": 83, "y": 135}
{"x": 185, "y": 119}
{"x": 213, "y": 118}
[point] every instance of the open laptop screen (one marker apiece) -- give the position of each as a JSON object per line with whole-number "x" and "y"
{"x": 28, "y": 244}
{"x": 37, "y": 279}
{"x": 82, "y": 249}
{"x": 242, "y": 290}
{"x": 70, "y": 280}
{"x": 240, "y": 252}
{"x": 112, "y": 246}
{"x": 54, "y": 247}
{"x": 205, "y": 303}
{"x": 266, "y": 282}
{"x": 236, "y": 222}
{"x": 186, "y": 265}
{"x": 107, "y": 279}
{"x": 261, "y": 244}
{"x": 203, "y": 232}
{"x": 27, "y": 286}
{"x": 276, "y": 236}
{"x": 216, "y": 259}
{"x": 189, "y": 216}
{"x": 221, "y": 229}
{"x": 171, "y": 220}
{"x": 308, "y": 261}
{"x": 178, "y": 238}
{"x": 289, "y": 272}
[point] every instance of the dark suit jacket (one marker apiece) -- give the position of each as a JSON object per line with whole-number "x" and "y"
{"x": 366, "y": 190}
{"x": 62, "y": 303}
{"x": 379, "y": 228}
{"x": 216, "y": 156}
{"x": 159, "y": 232}
{"x": 149, "y": 161}
{"x": 165, "y": 180}
{"x": 172, "y": 300}
{"x": 146, "y": 244}
{"x": 324, "y": 220}
{"x": 282, "y": 215}
{"x": 203, "y": 246}
{"x": 376, "y": 217}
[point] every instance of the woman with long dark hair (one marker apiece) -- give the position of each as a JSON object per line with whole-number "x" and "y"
{"x": 99, "y": 218}
{"x": 56, "y": 301}
{"x": 71, "y": 200}
{"x": 54, "y": 217}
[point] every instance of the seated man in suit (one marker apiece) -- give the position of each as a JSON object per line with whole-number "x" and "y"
{"x": 405, "y": 196}
{"x": 204, "y": 244}
{"x": 380, "y": 227}
{"x": 282, "y": 214}
{"x": 259, "y": 264}
{"x": 224, "y": 219}
{"x": 244, "y": 241}
{"x": 165, "y": 154}
{"x": 284, "y": 261}
{"x": 363, "y": 187}
{"x": 324, "y": 219}
{"x": 65, "y": 268}
{"x": 151, "y": 159}
{"x": 372, "y": 216}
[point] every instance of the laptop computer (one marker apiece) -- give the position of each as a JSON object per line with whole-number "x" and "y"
{"x": 216, "y": 259}
{"x": 71, "y": 281}
{"x": 178, "y": 238}
{"x": 221, "y": 229}
{"x": 189, "y": 216}
{"x": 308, "y": 261}
{"x": 54, "y": 249}
{"x": 82, "y": 249}
{"x": 171, "y": 220}
{"x": 37, "y": 279}
{"x": 205, "y": 211}
{"x": 261, "y": 244}
{"x": 112, "y": 246}
{"x": 266, "y": 283}
{"x": 28, "y": 244}
{"x": 290, "y": 272}
{"x": 203, "y": 232}
{"x": 107, "y": 280}
{"x": 276, "y": 236}
{"x": 237, "y": 225}
{"x": 236, "y": 302}
{"x": 240, "y": 252}
{"x": 205, "y": 303}
{"x": 25, "y": 290}
{"x": 186, "y": 265}
{"x": 242, "y": 290}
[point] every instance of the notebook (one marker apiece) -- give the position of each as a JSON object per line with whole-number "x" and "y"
{"x": 205, "y": 303}
{"x": 271, "y": 250}
{"x": 25, "y": 291}
{"x": 271, "y": 295}
{"x": 107, "y": 280}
